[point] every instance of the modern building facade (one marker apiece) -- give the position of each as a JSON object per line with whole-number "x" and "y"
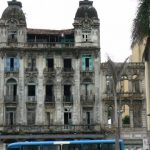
{"x": 54, "y": 86}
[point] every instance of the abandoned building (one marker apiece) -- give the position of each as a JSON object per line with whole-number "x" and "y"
{"x": 54, "y": 86}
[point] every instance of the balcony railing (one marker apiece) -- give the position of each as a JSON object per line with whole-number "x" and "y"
{"x": 87, "y": 99}
{"x": 68, "y": 98}
{"x": 31, "y": 99}
{"x": 11, "y": 99}
{"x": 12, "y": 70}
{"x": 50, "y": 128}
{"x": 124, "y": 95}
{"x": 50, "y": 101}
{"x": 34, "y": 69}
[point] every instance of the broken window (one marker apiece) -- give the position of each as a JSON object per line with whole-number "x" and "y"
{"x": 135, "y": 86}
{"x": 10, "y": 116}
{"x": 31, "y": 116}
{"x": 125, "y": 115}
{"x": 110, "y": 115}
{"x": 109, "y": 84}
{"x": 67, "y": 64}
{"x": 31, "y": 90}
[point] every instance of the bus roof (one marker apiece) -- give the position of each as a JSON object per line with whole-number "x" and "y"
{"x": 62, "y": 142}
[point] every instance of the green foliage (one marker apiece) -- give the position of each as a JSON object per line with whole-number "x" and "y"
{"x": 141, "y": 22}
{"x": 126, "y": 120}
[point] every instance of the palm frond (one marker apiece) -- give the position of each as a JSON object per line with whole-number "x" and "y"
{"x": 140, "y": 28}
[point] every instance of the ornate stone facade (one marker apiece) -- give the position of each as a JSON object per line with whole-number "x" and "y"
{"x": 52, "y": 82}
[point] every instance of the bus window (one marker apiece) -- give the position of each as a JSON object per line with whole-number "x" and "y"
{"x": 91, "y": 147}
{"x": 31, "y": 147}
{"x": 71, "y": 147}
{"x": 14, "y": 148}
{"x": 108, "y": 146}
{"x": 51, "y": 147}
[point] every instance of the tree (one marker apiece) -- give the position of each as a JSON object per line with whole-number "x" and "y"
{"x": 116, "y": 71}
{"x": 141, "y": 23}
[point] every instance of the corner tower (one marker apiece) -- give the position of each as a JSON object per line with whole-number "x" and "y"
{"x": 13, "y": 24}
{"x": 86, "y": 25}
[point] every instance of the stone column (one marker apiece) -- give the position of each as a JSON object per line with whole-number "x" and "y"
{"x": 21, "y": 108}
{"x": 98, "y": 101}
{"x": 76, "y": 93}
{"x": 131, "y": 118}
{"x": 40, "y": 92}
{"x": 58, "y": 119}
{"x": 1, "y": 89}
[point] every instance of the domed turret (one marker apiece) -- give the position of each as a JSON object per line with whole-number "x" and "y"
{"x": 86, "y": 9}
{"x": 14, "y": 11}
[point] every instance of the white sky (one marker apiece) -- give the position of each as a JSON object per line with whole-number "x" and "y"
{"x": 116, "y": 17}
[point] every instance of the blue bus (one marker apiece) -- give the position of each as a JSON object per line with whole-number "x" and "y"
{"x": 66, "y": 145}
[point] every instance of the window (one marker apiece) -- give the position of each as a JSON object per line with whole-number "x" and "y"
{"x": 67, "y": 118}
{"x": 11, "y": 90}
{"x": 30, "y": 116}
{"x": 12, "y": 36}
{"x": 49, "y": 93}
{"x": 31, "y": 63}
{"x": 67, "y": 93}
{"x": 31, "y": 90}
{"x": 10, "y": 116}
{"x": 109, "y": 84}
{"x": 87, "y": 63}
{"x": 50, "y": 63}
{"x": 67, "y": 64}
{"x": 12, "y": 64}
{"x": 86, "y": 37}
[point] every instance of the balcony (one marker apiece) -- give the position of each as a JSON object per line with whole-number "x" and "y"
{"x": 11, "y": 100}
{"x": 87, "y": 72}
{"x": 68, "y": 100}
{"x": 42, "y": 44}
{"x": 32, "y": 70}
{"x": 11, "y": 72}
{"x": 37, "y": 129}
{"x": 49, "y": 101}
{"x": 31, "y": 101}
{"x": 49, "y": 71}
{"x": 67, "y": 72}
{"x": 87, "y": 100}
{"x": 124, "y": 96}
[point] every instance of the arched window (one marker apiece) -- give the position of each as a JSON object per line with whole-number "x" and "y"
{"x": 11, "y": 90}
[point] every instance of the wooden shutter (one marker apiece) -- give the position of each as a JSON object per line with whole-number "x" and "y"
{"x": 83, "y": 63}
{"x": 91, "y": 63}
{"x": 7, "y": 64}
{"x": 16, "y": 64}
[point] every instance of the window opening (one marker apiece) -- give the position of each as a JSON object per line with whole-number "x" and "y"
{"x": 11, "y": 63}
{"x": 49, "y": 92}
{"x": 67, "y": 64}
{"x": 31, "y": 116}
{"x": 31, "y": 90}
{"x": 50, "y": 63}
{"x": 67, "y": 118}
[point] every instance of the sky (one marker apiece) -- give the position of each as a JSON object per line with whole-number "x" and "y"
{"x": 116, "y": 19}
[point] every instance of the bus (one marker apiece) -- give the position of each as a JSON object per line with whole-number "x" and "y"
{"x": 66, "y": 145}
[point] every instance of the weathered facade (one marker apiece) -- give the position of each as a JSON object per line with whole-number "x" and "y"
{"x": 53, "y": 86}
